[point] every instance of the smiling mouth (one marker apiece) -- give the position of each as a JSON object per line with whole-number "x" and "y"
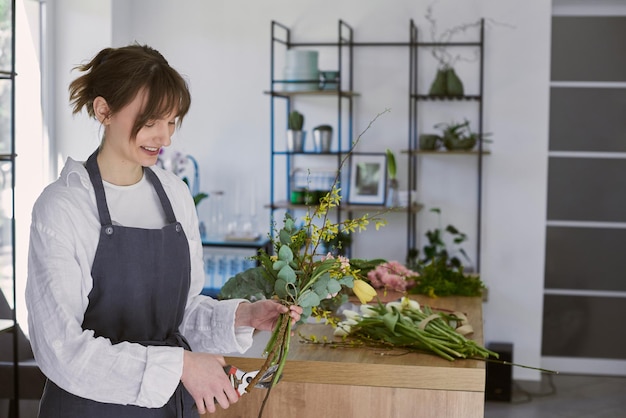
{"x": 151, "y": 149}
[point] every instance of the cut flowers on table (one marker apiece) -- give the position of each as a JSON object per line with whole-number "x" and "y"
{"x": 407, "y": 325}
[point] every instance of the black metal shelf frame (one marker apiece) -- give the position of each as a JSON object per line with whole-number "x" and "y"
{"x": 478, "y": 98}
{"x": 345, "y": 43}
{"x": 345, "y": 40}
{"x": 281, "y": 35}
{"x": 9, "y": 157}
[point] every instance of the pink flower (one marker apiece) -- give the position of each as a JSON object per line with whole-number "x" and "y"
{"x": 393, "y": 276}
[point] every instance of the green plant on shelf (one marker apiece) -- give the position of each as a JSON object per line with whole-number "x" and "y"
{"x": 296, "y": 121}
{"x": 441, "y": 271}
{"x": 459, "y": 136}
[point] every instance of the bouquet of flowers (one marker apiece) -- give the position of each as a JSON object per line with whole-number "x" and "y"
{"x": 298, "y": 273}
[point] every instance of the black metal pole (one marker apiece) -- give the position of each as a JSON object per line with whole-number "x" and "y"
{"x": 16, "y": 373}
{"x": 480, "y": 145}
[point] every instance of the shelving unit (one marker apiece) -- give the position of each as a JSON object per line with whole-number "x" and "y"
{"x": 418, "y": 98}
{"x": 344, "y": 94}
{"x": 345, "y": 47}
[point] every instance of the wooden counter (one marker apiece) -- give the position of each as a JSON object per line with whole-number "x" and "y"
{"x": 348, "y": 382}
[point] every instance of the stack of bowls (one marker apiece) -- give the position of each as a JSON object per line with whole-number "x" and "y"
{"x": 300, "y": 67}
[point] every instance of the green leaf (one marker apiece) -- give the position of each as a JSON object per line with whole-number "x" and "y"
{"x": 309, "y": 299}
{"x": 199, "y": 198}
{"x": 333, "y": 286}
{"x": 391, "y": 164}
{"x": 285, "y": 237}
{"x": 279, "y": 265}
{"x": 452, "y": 229}
{"x": 347, "y": 281}
{"x": 290, "y": 225}
{"x": 324, "y": 266}
{"x": 285, "y": 253}
{"x": 280, "y": 287}
{"x": 252, "y": 284}
{"x": 390, "y": 320}
{"x": 306, "y": 313}
{"x": 287, "y": 274}
{"x": 321, "y": 286}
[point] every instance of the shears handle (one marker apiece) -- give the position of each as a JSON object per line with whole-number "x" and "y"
{"x": 231, "y": 372}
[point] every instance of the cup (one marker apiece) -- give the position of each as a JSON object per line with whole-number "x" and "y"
{"x": 295, "y": 140}
{"x": 322, "y": 140}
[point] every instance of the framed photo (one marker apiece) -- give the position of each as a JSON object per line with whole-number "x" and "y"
{"x": 368, "y": 179}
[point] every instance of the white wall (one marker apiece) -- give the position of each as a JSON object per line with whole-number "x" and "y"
{"x": 79, "y": 29}
{"x": 223, "y": 49}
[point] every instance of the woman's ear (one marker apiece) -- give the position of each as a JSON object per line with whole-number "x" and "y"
{"x": 101, "y": 110}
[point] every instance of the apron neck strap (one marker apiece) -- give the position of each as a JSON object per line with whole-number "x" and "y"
{"x": 165, "y": 201}
{"x": 96, "y": 181}
{"x": 103, "y": 208}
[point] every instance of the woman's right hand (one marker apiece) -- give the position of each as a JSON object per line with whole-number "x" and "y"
{"x": 205, "y": 379}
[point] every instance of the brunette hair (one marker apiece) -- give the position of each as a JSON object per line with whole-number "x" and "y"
{"x": 118, "y": 74}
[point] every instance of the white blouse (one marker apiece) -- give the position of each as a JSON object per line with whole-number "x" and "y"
{"x": 63, "y": 239}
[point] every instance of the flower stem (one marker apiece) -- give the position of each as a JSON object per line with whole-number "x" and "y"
{"x": 273, "y": 350}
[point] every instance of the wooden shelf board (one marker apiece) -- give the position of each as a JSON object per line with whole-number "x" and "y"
{"x": 311, "y": 93}
{"x": 446, "y": 152}
{"x": 416, "y": 207}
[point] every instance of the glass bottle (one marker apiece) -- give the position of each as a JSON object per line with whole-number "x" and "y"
{"x": 217, "y": 228}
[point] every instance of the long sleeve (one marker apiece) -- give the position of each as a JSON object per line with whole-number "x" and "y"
{"x": 64, "y": 236}
{"x": 63, "y": 241}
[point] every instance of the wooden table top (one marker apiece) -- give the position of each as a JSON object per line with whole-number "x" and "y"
{"x": 312, "y": 363}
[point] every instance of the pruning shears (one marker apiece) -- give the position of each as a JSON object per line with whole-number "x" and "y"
{"x": 241, "y": 379}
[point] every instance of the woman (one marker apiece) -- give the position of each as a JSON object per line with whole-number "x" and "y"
{"x": 115, "y": 263}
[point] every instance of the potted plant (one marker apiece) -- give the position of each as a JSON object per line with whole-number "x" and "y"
{"x": 430, "y": 142}
{"x": 459, "y": 136}
{"x": 322, "y": 138}
{"x": 295, "y": 133}
{"x": 441, "y": 271}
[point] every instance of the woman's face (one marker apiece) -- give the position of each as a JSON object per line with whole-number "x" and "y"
{"x": 144, "y": 148}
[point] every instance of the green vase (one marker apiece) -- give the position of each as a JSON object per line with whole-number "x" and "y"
{"x": 454, "y": 86}
{"x": 438, "y": 87}
{"x": 429, "y": 142}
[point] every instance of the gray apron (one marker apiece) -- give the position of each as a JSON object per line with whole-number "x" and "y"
{"x": 141, "y": 280}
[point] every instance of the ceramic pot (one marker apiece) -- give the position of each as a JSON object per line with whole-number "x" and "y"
{"x": 430, "y": 142}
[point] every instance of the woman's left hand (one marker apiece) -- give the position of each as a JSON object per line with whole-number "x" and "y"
{"x": 264, "y": 314}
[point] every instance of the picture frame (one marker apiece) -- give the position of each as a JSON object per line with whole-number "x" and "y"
{"x": 368, "y": 179}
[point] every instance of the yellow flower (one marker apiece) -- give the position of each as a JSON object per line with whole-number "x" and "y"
{"x": 363, "y": 291}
